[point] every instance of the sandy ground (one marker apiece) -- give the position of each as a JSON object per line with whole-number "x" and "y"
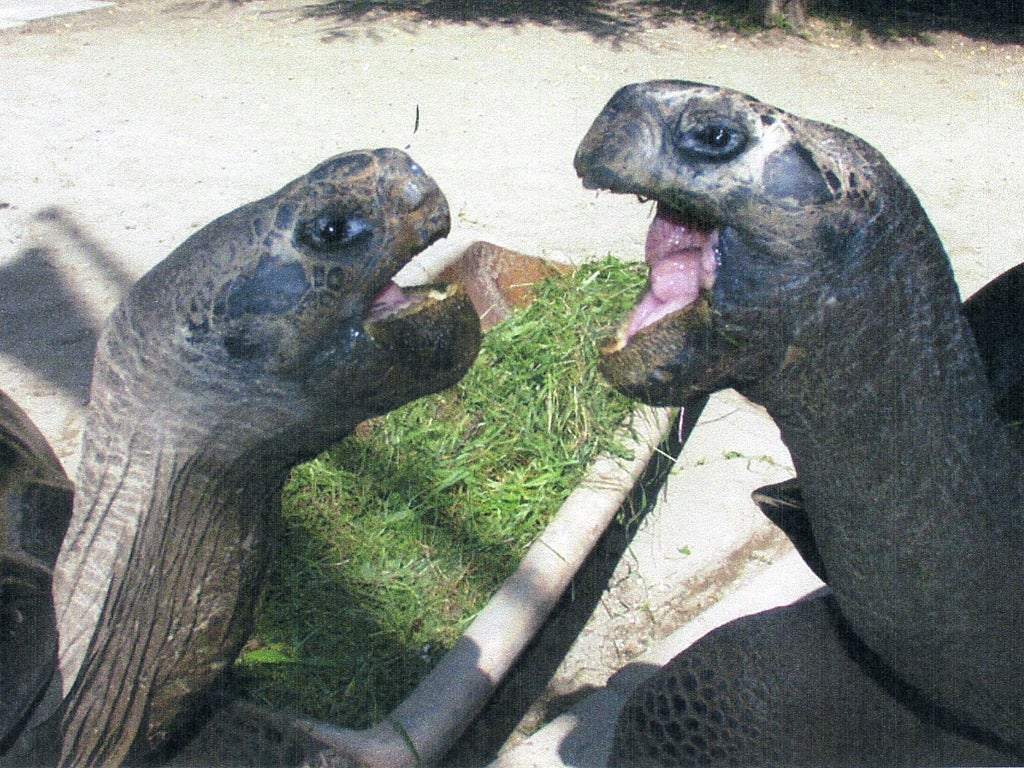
{"x": 127, "y": 128}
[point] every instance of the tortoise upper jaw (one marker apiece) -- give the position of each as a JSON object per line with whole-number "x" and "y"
{"x": 600, "y": 177}
{"x": 425, "y": 218}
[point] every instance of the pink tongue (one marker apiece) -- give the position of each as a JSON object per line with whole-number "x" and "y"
{"x": 676, "y": 279}
{"x": 390, "y": 299}
{"x": 681, "y": 260}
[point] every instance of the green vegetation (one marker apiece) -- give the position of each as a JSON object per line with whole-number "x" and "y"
{"x": 396, "y": 537}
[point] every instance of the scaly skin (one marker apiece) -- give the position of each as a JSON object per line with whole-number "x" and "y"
{"x": 252, "y": 347}
{"x": 35, "y": 505}
{"x": 834, "y": 306}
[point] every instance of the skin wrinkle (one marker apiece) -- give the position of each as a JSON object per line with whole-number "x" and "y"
{"x": 106, "y": 524}
{"x": 126, "y": 677}
{"x": 96, "y": 530}
{"x": 195, "y": 571}
{"x": 209, "y": 539}
{"x": 124, "y": 686}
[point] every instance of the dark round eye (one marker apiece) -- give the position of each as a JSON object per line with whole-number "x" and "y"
{"x": 714, "y": 140}
{"x": 331, "y": 231}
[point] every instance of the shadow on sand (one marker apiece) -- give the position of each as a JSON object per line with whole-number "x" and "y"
{"x": 49, "y": 326}
{"x": 616, "y": 21}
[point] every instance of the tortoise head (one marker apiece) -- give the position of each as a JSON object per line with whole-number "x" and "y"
{"x": 760, "y": 229}
{"x": 290, "y": 299}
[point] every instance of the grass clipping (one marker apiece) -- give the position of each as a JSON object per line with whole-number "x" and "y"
{"x": 398, "y": 535}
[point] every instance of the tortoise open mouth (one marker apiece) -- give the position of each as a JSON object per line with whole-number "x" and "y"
{"x": 393, "y": 299}
{"x": 394, "y": 302}
{"x": 431, "y": 333}
{"x": 683, "y": 256}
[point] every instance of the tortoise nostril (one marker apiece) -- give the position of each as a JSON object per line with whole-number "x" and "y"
{"x": 412, "y": 193}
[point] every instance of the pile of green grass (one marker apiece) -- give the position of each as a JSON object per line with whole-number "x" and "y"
{"x": 397, "y": 536}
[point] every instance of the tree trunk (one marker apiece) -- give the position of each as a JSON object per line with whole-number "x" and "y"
{"x": 781, "y": 12}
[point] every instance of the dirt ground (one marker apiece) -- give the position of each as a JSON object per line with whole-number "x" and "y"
{"x": 127, "y": 128}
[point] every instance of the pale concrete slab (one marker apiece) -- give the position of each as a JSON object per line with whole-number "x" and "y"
{"x": 581, "y": 737}
{"x": 15, "y": 13}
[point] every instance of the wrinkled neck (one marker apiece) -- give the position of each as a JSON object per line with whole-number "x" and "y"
{"x": 912, "y": 487}
{"x": 138, "y": 471}
{"x": 161, "y": 572}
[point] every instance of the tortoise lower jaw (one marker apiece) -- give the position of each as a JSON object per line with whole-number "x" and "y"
{"x": 662, "y": 364}
{"x": 434, "y": 331}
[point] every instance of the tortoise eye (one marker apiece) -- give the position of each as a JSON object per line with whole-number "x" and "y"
{"x": 717, "y": 140}
{"x": 330, "y": 231}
